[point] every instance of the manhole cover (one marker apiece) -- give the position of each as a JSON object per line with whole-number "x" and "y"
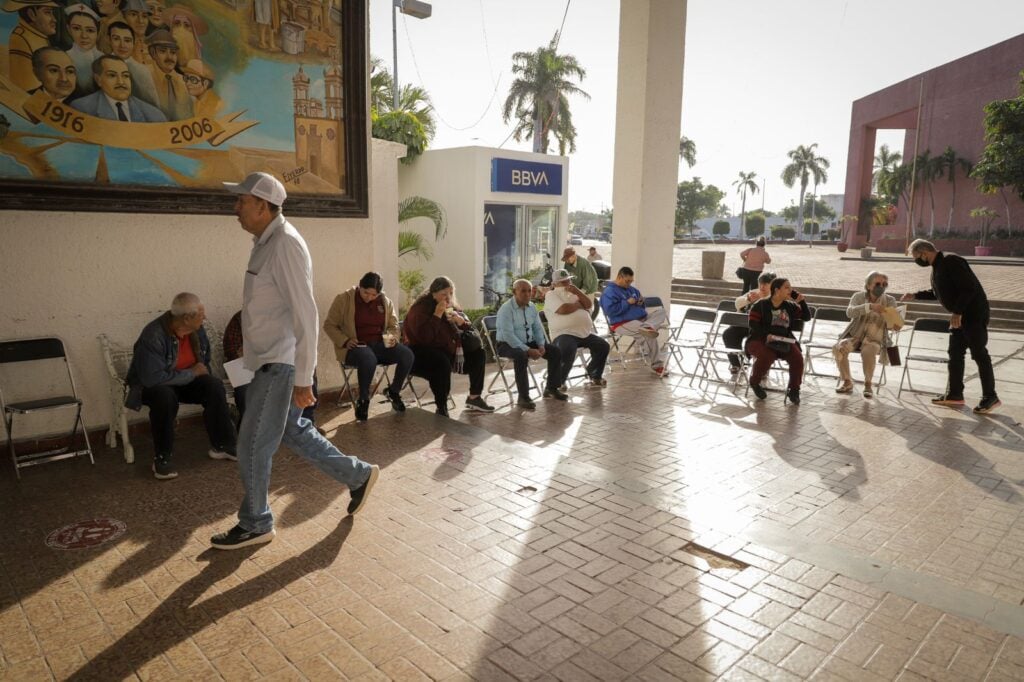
{"x": 622, "y": 418}
{"x": 86, "y": 533}
{"x": 443, "y": 454}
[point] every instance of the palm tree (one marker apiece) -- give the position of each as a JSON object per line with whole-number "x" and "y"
{"x": 688, "y": 151}
{"x": 885, "y": 162}
{"x": 928, "y": 169}
{"x": 804, "y": 162}
{"x": 539, "y": 97}
{"x": 948, "y": 163}
{"x": 410, "y": 242}
{"x": 896, "y": 184}
{"x": 411, "y": 124}
{"x": 744, "y": 184}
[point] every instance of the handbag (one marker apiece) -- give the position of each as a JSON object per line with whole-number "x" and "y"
{"x": 739, "y": 272}
{"x": 894, "y": 355}
{"x": 470, "y": 340}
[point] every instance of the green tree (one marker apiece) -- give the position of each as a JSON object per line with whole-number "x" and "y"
{"x": 688, "y": 151}
{"x": 721, "y": 228}
{"x": 812, "y": 206}
{"x": 783, "y": 232}
{"x": 413, "y": 243}
{"x": 694, "y": 201}
{"x": 928, "y": 171}
{"x": 804, "y": 162}
{"x": 885, "y": 162}
{"x": 538, "y": 98}
{"x": 896, "y": 185}
{"x": 745, "y": 184}
{"x": 948, "y": 163}
{"x": 412, "y": 123}
{"x": 1002, "y": 162}
{"x": 755, "y": 224}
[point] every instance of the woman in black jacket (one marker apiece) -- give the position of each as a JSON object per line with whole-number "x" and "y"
{"x": 771, "y": 337}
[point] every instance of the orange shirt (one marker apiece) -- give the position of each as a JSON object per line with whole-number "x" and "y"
{"x": 186, "y": 358}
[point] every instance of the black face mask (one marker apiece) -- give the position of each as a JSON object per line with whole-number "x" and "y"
{"x": 922, "y": 262}
{"x": 878, "y": 290}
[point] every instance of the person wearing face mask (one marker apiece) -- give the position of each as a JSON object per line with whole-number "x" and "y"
{"x": 957, "y": 288}
{"x": 867, "y": 332}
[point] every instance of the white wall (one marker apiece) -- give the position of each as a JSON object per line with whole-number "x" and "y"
{"x": 77, "y": 275}
{"x": 460, "y": 180}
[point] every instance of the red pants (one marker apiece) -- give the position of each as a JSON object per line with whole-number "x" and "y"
{"x": 765, "y": 356}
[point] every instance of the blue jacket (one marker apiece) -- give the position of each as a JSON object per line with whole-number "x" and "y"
{"x": 154, "y": 356}
{"x": 519, "y": 327}
{"x": 617, "y": 308}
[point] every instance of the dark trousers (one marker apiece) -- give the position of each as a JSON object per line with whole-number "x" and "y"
{"x": 765, "y": 356}
{"x": 306, "y": 413}
{"x": 733, "y": 337}
{"x": 163, "y": 402}
{"x": 749, "y": 279}
{"x": 598, "y": 347}
{"x": 520, "y": 360}
{"x": 435, "y": 365}
{"x": 973, "y": 334}
{"x": 366, "y": 358}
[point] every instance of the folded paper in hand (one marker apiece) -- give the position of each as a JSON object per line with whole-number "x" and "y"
{"x": 238, "y": 375}
{"x": 783, "y": 339}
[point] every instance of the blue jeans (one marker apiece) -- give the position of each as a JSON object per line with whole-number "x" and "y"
{"x": 271, "y": 418}
{"x": 366, "y": 358}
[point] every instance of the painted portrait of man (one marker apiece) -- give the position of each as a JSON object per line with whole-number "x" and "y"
{"x": 56, "y": 73}
{"x": 37, "y": 23}
{"x": 113, "y": 99}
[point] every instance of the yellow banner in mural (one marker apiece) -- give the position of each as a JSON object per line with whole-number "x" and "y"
{"x": 41, "y": 108}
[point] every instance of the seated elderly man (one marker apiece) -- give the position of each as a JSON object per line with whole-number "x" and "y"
{"x": 171, "y": 365}
{"x": 520, "y": 336}
{"x": 570, "y": 327}
{"x": 364, "y": 328}
{"x": 868, "y": 332}
{"x": 628, "y": 314}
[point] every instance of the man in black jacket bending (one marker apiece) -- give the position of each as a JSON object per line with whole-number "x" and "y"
{"x": 957, "y": 288}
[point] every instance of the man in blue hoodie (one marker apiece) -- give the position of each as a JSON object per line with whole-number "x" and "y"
{"x": 628, "y": 315}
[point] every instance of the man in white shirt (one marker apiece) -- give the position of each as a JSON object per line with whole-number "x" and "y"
{"x": 570, "y": 327}
{"x": 279, "y": 325}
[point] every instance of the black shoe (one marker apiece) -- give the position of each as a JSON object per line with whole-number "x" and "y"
{"x": 360, "y": 494}
{"x": 442, "y": 409}
{"x": 238, "y": 537}
{"x": 793, "y": 395}
{"x": 163, "y": 470}
{"x": 526, "y": 404}
{"x": 478, "y": 404}
{"x": 362, "y": 410}
{"x": 553, "y": 392}
{"x": 759, "y": 391}
{"x": 396, "y": 401}
{"x": 987, "y": 405}
{"x": 949, "y": 400}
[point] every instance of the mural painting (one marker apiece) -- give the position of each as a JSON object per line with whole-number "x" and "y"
{"x": 174, "y": 94}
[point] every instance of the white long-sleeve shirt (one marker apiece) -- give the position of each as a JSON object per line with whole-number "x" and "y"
{"x": 279, "y": 317}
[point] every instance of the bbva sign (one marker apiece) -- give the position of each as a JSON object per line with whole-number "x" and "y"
{"x": 514, "y": 175}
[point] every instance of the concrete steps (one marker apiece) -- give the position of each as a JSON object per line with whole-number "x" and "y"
{"x": 1006, "y": 315}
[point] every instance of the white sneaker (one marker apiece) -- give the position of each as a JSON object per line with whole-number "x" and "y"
{"x": 222, "y": 454}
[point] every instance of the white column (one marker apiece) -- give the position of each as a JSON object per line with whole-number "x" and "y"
{"x": 652, "y": 35}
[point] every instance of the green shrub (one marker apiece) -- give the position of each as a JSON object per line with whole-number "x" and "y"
{"x": 783, "y": 232}
{"x": 811, "y": 226}
{"x": 721, "y": 227}
{"x": 755, "y": 225}
{"x": 832, "y": 234}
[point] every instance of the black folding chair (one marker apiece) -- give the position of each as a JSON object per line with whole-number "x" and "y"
{"x": 38, "y": 351}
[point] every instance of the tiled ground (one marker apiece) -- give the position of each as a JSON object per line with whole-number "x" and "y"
{"x": 644, "y": 531}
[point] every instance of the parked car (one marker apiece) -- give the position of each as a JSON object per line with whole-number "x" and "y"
{"x": 576, "y": 240}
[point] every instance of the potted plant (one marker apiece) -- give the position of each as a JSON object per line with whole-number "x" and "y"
{"x": 843, "y": 243}
{"x": 987, "y": 216}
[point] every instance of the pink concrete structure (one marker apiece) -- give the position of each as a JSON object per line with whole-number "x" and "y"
{"x": 952, "y": 99}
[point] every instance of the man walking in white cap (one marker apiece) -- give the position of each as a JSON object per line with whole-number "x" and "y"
{"x": 280, "y": 326}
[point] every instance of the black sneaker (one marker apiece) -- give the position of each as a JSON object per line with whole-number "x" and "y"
{"x": 950, "y": 400}
{"x": 600, "y": 382}
{"x": 360, "y": 494}
{"x": 442, "y": 409}
{"x": 759, "y": 391}
{"x": 553, "y": 392}
{"x": 478, "y": 404}
{"x": 223, "y": 453}
{"x": 396, "y": 401}
{"x": 238, "y": 537}
{"x": 793, "y": 394}
{"x": 163, "y": 470}
{"x": 987, "y": 405}
{"x": 526, "y": 404}
{"x": 362, "y": 410}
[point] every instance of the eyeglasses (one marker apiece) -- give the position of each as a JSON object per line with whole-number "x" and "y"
{"x": 193, "y": 80}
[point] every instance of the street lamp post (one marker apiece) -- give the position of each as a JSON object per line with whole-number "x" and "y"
{"x": 413, "y": 8}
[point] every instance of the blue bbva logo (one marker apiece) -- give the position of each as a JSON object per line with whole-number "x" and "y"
{"x": 514, "y": 175}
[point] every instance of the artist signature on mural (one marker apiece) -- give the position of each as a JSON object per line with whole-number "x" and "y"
{"x": 295, "y": 174}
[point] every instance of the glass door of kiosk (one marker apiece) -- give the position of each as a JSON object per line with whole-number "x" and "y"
{"x": 517, "y": 240}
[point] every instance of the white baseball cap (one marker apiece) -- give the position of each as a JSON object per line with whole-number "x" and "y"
{"x": 262, "y": 185}
{"x": 560, "y": 276}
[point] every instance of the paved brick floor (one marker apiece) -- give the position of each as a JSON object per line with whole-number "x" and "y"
{"x": 644, "y": 531}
